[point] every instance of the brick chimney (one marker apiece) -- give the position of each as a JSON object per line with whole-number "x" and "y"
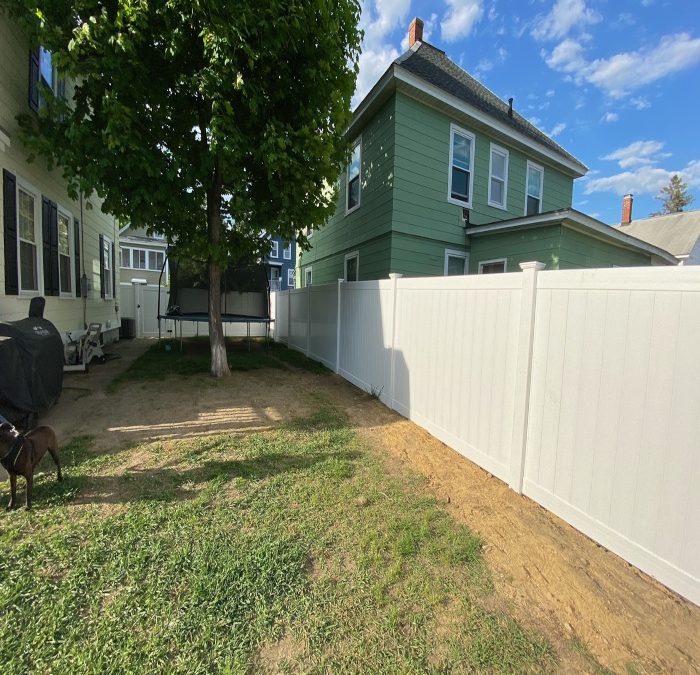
{"x": 415, "y": 32}
{"x": 626, "y": 210}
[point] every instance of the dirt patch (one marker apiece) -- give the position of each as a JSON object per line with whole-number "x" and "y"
{"x": 546, "y": 574}
{"x": 274, "y": 656}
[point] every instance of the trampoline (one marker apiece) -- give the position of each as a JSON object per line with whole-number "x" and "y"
{"x": 245, "y": 295}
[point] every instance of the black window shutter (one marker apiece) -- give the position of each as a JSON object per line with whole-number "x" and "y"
{"x": 102, "y": 266}
{"x": 46, "y": 244}
{"x": 114, "y": 274}
{"x": 76, "y": 242}
{"x": 34, "y": 79}
{"x": 9, "y": 216}
{"x": 53, "y": 225}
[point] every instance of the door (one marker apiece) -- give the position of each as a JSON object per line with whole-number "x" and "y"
{"x": 274, "y": 278}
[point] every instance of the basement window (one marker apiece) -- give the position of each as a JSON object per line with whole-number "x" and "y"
{"x": 492, "y": 266}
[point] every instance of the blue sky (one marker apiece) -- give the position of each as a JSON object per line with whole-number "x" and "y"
{"x": 616, "y": 82}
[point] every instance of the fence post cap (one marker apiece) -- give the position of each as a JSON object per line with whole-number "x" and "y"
{"x": 534, "y": 265}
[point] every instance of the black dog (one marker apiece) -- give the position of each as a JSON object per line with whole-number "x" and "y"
{"x": 20, "y": 454}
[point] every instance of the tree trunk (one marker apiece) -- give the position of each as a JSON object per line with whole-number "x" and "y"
{"x": 219, "y": 359}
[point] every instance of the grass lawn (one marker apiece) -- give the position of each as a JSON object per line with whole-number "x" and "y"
{"x": 291, "y": 550}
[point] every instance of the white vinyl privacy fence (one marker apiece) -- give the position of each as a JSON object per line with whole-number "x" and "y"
{"x": 580, "y": 389}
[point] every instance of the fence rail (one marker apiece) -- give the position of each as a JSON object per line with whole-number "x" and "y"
{"x": 580, "y": 389}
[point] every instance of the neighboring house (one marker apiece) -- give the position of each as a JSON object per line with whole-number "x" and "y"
{"x": 677, "y": 233}
{"x": 281, "y": 261}
{"x": 51, "y": 245}
{"x": 143, "y": 256}
{"x": 445, "y": 178}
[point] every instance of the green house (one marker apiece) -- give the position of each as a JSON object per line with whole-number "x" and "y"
{"x": 446, "y": 178}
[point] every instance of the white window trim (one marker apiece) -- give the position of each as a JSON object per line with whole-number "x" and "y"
{"x": 454, "y": 129}
{"x": 493, "y": 260}
{"x": 155, "y": 252}
{"x": 275, "y": 249}
{"x": 291, "y": 277}
{"x": 452, "y": 253}
{"x": 108, "y": 261}
{"x": 536, "y": 167}
{"x": 71, "y": 253}
{"x": 38, "y": 238}
{"x": 358, "y": 141}
{"x": 308, "y": 276}
{"x": 506, "y": 154}
{"x": 349, "y": 256}
{"x": 287, "y": 251}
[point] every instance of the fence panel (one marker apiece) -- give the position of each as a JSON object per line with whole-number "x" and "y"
{"x": 298, "y": 324}
{"x": 366, "y": 334}
{"x": 614, "y": 423}
{"x": 323, "y": 324}
{"x": 455, "y": 362}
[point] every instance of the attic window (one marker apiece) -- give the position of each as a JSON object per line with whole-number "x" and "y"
{"x": 461, "y": 163}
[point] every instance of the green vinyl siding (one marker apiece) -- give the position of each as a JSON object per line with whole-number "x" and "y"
{"x": 580, "y": 250}
{"x": 371, "y": 220}
{"x": 420, "y": 256}
{"x": 538, "y": 243}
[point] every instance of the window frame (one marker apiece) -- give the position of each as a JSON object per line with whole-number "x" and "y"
{"x": 348, "y": 208}
{"x": 308, "y": 276}
{"x": 155, "y": 252}
{"x": 499, "y": 150}
{"x": 71, "y": 253}
{"x": 274, "y": 249}
{"x": 25, "y": 186}
{"x": 350, "y": 256}
{"x": 291, "y": 277}
{"x": 287, "y": 251}
{"x": 453, "y": 253}
{"x": 107, "y": 271}
{"x": 534, "y": 167}
{"x": 490, "y": 262}
{"x": 454, "y": 129}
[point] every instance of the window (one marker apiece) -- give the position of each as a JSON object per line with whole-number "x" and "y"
{"x": 42, "y": 72}
{"x": 27, "y": 238}
{"x": 492, "y": 266}
{"x": 65, "y": 265}
{"x": 138, "y": 259}
{"x": 498, "y": 177}
{"x": 291, "y": 278}
{"x": 287, "y": 251}
{"x": 156, "y": 260}
{"x": 352, "y": 266}
{"x": 455, "y": 263}
{"x": 308, "y": 277}
{"x": 125, "y": 258}
{"x": 106, "y": 267}
{"x": 533, "y": 198}
{"x": 354, "y": 177}
{"x": 274, "y": 251}
{"x": 158, "y": 235}
{"x": 461, "y": 163}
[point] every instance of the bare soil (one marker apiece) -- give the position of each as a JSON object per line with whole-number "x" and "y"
{"x": 585, "y": 599}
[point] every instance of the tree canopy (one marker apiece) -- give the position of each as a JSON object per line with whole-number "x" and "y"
{"x": 205, "y": 120}
{"x": 674, "y": 196}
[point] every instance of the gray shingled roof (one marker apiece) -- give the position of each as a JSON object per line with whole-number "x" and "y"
{"x": 677, "y": 233}
{"x": 433, "y": 66}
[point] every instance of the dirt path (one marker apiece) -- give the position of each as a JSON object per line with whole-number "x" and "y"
{"x": 545, "y": 572}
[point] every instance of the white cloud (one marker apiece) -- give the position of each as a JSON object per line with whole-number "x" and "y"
{"x": 644, "y": 180}
{"x": 460, "y": 18}
{"x": 373, "y": 63}
{"x": 625, "y": 71}
{"x": 564, "y": 15}
{"x": 638, "y": 153}
{"x": 485, "y": 65}
{"x": 640, "y": 103}
{"x": 550, "y": 93}
{"x": 556, "y": 130}
{"x": 610, "y": 117}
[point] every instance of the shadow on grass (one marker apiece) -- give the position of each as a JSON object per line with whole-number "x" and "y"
{"x": 170, "y": 484}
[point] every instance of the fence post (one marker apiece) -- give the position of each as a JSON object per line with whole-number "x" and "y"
{"x": 523, "y": 370}
{"x": 394, "y": 276}
{"x": 337, "y": 327}
{"x": 308, "y": 321}
{"x": 289, "y": 317}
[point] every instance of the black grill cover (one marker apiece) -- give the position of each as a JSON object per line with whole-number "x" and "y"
{"x": 31, "y": 367}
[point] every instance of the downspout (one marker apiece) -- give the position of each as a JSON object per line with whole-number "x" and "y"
{"x": 83, "y": 281}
